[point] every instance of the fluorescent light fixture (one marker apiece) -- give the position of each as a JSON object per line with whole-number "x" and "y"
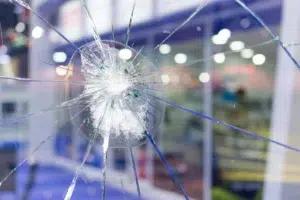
{"x": 37, "y": 32}
{"x": 125, "y": 54}
{"x": 237, "y": 45}
{"x": 61, "y": 70}
{"x": 224, "y": 34}
{"x": 165, "y": 49}
{"x": 259, "y": 59}
{"x": 204, "y": 77}
{"x": 222, "y": 37}
{"x": 59, "y": 57}
{"x": 247, "y": 53}
{"x": 165, "y": 78}
{"x": 217, "y": 40}
{"x": 20, "y": 27}
{"x": 219, "y": 58}
{"x": 180, "y": 58}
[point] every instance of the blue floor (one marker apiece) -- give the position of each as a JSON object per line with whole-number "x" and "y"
{"x": 52, "y": 183}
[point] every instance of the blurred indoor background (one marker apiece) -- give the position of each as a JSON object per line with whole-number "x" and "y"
{"x": 222, "y": 63}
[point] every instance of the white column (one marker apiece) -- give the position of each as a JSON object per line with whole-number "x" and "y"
{"x": 42, "y": 94}
{"x": 285, "y": 117}
{"x": 208, "y": 139}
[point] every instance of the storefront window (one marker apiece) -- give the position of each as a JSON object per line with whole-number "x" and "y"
{"x": 243, "y": 83}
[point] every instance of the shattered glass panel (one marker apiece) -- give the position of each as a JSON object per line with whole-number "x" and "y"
{"x": 148, "y": 100}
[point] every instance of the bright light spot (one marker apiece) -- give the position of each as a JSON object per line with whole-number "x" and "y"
{"x": 116, "y": 81}
{"x": 180, "y": 58}
{"x": 4, "y": 59}
{"x": 222, "y": 37}
{"x": 247, "y": 53}
{"x": 204, "y": 77}
{"x": 224, "y": 34}
{"x": 165, "y": 78}
{"x": 20, "y": 27}
{"x": 219, "y": 58}
{"x": 3, "y": 49}
{"x": 259, "y": 59}
{"x": 37, "y": 32}
{"x": 237, "y": 45}
{"x": 165, "y": 49}
{"x": 59, "y": 57}
{"x": 61, "y": 70}
{"x": 217, "y": 40}
{"x": 125, "y": 54}
{"x": 117, "y": 87}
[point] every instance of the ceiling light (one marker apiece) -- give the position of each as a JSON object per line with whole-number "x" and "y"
{"x": 217, "y": 40}
{"x": 37, "y": 32}
{"x": 61, "y": 70}
{"x": 224, "y": 34}
{"x": 247, "y": 53}
{"x": 259, "y": 59}
{"x": 180, "y": 58}
{"x": 222, "y": 37}
{"x": 165, "y": 49}
{"x": 237, "y": 45}
{"x": 165, "y": 78}
{"x": 125, "y": 54}
{"x": 20, "y": 27}
{"x": 219, "y": 58}
{"x": 204, "y": 77}
{"x": 59, "y": 57}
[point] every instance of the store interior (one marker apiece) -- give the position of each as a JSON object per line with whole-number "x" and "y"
{"x": 222, "y": 63}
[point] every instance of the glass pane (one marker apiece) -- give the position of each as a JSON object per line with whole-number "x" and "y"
{"x": 149, "y": 99}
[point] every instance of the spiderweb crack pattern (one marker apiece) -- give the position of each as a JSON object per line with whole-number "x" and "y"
{"x": 120, "y": 95}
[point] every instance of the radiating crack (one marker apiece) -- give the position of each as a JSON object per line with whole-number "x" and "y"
{"x": 120, "y": 97}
